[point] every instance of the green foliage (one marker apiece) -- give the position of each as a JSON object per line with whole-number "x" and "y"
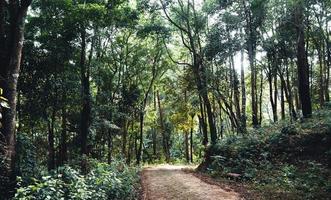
{"x": 26, "y": 159}
{"x": 294, "y": 158}
{"x": 115, "y": 181}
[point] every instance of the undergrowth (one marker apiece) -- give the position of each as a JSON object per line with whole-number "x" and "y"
{"x": 281, "y": 161}
{"x": 115, "y": 181}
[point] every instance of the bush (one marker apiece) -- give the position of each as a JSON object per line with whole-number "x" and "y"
{"x": 282, "y": 159}
{"x": 115, "y": 181}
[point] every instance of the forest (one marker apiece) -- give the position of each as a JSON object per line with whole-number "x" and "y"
{"x": 165, "y": 99}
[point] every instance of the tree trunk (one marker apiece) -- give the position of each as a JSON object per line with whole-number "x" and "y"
{"x": 11, "y": 45}
{"x": 203, "y": 91}
{"x": 51, "y": 149}
{"x": 165, "y": 139}
{"x": 321, "y": 88}
{"x": 124, "y": 138}
{"x": 302, "y": 62}
{"x": 271, "y": 95}
{"x": 139, "y": 153}
{"x": 187, "y": 151}
{"x": 275, "y": 95}
{"x": 260, "y": 99}
{"x": 154, "y": 141}
{"x": 191, "y": 141}
{"x": 290, "y": 95}
{"x": 254, "y": 103}
{"x": 203, "y": 124}
{"x": 110, "y": 146}
{"x": 282, "y": 100}
{"x": 236, "y": 96}
{"x": 86, "y": 102}
{"x": 243, "y": 93}
{"x": 328, "y": 65}
{"x": 272, "y": 80}
{"x": 63, "y": 143}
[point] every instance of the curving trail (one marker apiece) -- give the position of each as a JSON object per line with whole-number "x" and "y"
{"x": 171, "y": 183}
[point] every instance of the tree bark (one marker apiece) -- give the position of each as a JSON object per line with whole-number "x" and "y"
{"x": 243, "y": 93}
{"x": 302, "y": 63}
{"x": 11, "y": 44}
{"x": 251, "y": 33}
{"x": 236, "y": 97}
{"x": 273, "y": 88}
{"x": 203, "y": 91}
{"x": 86, "y": 101}
{"x": 51, "y": 149}
{"x": 321, "y": 87}
{"x": 139, "y": 153}
{"x": 255, "y": 121}
{"x": 187, "y": 151}
{"x": 282, "y": 100}
{"x": 124, "y": 137}
{"x": 110, "y": 146}
{"x": 63, "y": 143}
{"x": 165, "y": 136}
{"x": 328, "y": 63}
{"x": 191, "y": 140}
{"x": 203, "y": 124}
{"x": 260, "y": 99}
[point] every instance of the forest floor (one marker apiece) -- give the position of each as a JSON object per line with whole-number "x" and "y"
{"x": 166, "y": 182}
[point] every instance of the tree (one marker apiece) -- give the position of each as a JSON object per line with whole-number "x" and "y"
{"x": 11, "y": 44}
{"x": 190, "y": 31}
{"x": 302, "y": 61}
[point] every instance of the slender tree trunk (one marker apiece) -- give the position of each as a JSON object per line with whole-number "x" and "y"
{"x": 163, "y": 131}
{"x": 243, "y": 93}
{"x": 124, "y": 138}
{"x": 110, "y": 146}
{"x": 255, "y": 121}
{"x": 155, "y": 123}
{"x": 154, "y": 141}
{"x": 328, "y": 65}
{"x": 51, "y": 149}
{"x": 128, "y": 157}
{"x": 236, "y": 97}
{"x": 132, "y": 143}
{"x": 63, "y": 142}
{"x": 139, "y": 153}
{"x": 282, "y": 100}
{"x": 275, "y": 95}
{"x": 321, "y": 87}
{"x": 260, "y": 99}
{"x": 191, "y": 140}
{"x": 187, "y": 151}
{"x": 136, "y": 145}
{"x": 271, "y": 95}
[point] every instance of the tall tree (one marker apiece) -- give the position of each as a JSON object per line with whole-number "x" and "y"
{"x": 190, "y": 30}
{"x": 12, "y": 21}
{"x": 302, "y": 60}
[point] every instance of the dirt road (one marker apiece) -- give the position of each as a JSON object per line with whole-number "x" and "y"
{"x": 171, "y": 183}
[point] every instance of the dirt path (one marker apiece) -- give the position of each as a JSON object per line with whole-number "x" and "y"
{"x": 170, "y": 182}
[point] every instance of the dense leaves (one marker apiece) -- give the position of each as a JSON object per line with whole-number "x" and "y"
{"x": 116, "y": 181}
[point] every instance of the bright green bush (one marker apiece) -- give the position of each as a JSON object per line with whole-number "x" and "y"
{"x": 115, "y": 181}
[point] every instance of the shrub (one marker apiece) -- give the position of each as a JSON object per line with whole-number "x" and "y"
{"x": 115, "y": 181}
{"x": 282, "y": 159}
